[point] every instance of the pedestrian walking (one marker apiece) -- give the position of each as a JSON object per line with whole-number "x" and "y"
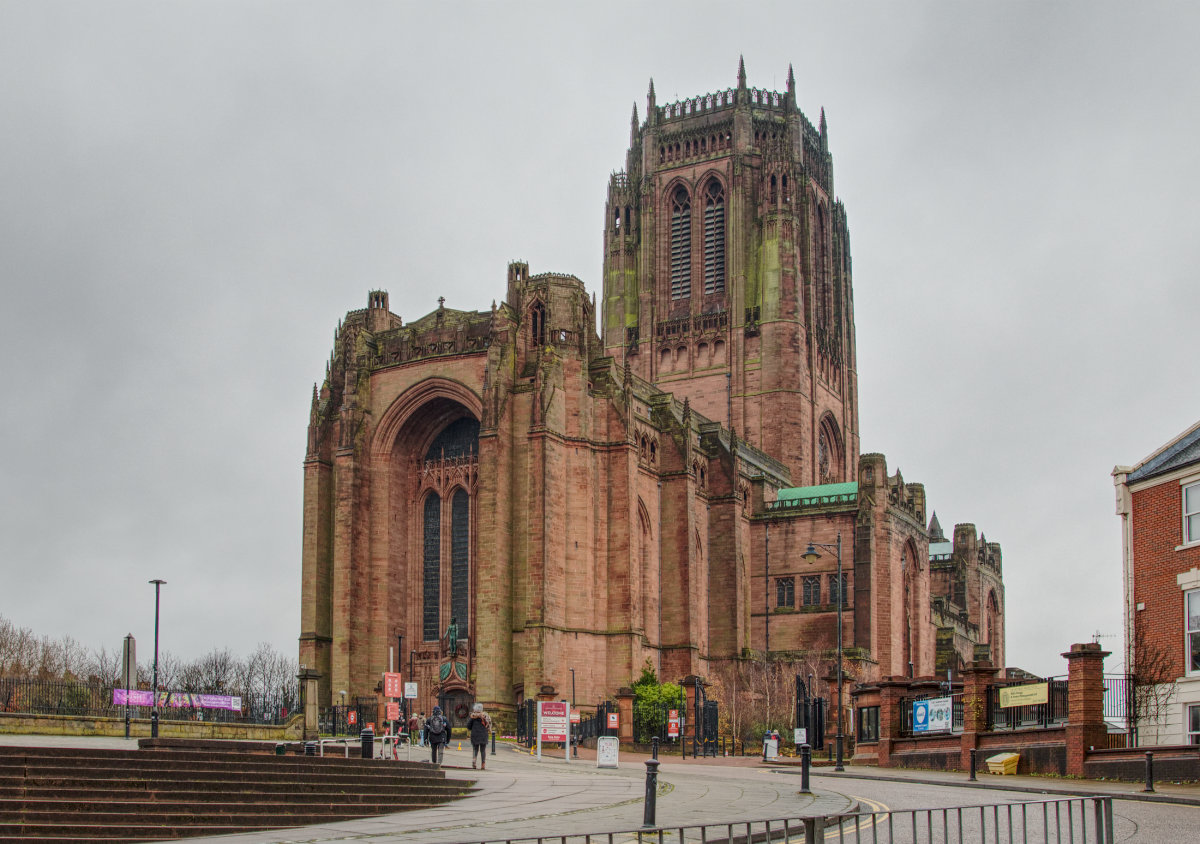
{"x": 421, "y": 729}
{"x": 412, "y": 729}
{"x": 439, "y": 733}
{"x": 480, "y": 724}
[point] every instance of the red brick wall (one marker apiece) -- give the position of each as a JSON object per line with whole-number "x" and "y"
{"x": 1156, "y": 532}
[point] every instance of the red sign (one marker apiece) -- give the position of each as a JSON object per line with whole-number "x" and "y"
{"x": 351, "y": 717}
{"x": 575, "y": 715}
{"x": 614, "y": 720}
{"x": 672, "y": 723}
{"x": 552, "y": 720}
{"x": 392, "y": 685}
{"x": 393, "y": 712}
{"x": 371, "y": 726}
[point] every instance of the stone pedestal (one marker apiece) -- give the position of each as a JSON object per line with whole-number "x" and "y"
{"x": 308, "y": 678}
{"x": 977, "y": 678}
{"x": 1085, "y": 701}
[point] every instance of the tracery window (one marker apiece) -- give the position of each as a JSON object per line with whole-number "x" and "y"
{"x": 714, "y": 238}
{"x": 785, "y": 592}
{"x": 681, "y": 244}
{"x": 432, "y": 568}
{"x": 460, "y": 523}
{"x": 812, "y": 591}
{"x": 838, "y": 590}
{"x": 537, "y": 324}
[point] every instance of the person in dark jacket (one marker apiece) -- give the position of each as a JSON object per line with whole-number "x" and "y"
{"x": 438, "y": 733}
{"x": 480, "y": 724}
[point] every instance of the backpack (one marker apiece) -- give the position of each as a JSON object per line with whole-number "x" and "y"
{"x": 436, "y": 727}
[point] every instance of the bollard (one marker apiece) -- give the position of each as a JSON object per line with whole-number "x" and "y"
{"x": 493, "y": 742}
{"x": 368, "y": 744}
{"x": 310, "y": 748}
{"x": 154, "y": 724}
{"x": 805, "y": 761}
{"x": 654, "y": 747}
{"x": 972, "y": 777}
{"x": 1149, "y": 772}
{"x": 126, "y": 722}
{"x": 651, "y": 792}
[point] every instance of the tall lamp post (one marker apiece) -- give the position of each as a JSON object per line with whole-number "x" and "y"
{"x": 158, "y": 584}
{"x": 811, "y": 556}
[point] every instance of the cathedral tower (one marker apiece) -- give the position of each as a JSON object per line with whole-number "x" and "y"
{"x": 727, "y": 276}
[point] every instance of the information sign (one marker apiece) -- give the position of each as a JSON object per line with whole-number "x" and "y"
{"x": 931, "y": 716}
{"x": 606, "y": 751}
{"x": 393, "y": 711}
{"x": 1030, "y": 695}
{"x": 575, "y": 716}
{"x": 410, "y": 691}
{"x": 801, "y": 735}
{"x": 351, "y": 717}
{"x": 672, "y": 723}
{"x": 614, "y": 720}
{"x": 552, "y": 720}
{"x": 392, "y": 686}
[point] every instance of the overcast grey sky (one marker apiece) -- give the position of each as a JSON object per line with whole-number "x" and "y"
{"x": 192, "y": 194}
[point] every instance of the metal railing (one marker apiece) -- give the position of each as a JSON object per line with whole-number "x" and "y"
{"x": 1052, "y": 713}
{"x": 956, "y": 709}
{"x": 81, "y": 699}
{"x": 1074, "y": 820}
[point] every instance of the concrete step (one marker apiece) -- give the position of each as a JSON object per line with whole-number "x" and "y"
{"x": 278, "y": 792}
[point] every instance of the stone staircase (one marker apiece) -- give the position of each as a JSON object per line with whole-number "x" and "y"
{"x": 68, "y": 794}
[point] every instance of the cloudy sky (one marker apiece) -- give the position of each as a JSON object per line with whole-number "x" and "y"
{"x": 192, "y": 194}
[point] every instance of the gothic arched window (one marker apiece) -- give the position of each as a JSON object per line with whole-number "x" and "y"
{"x": 432, "y": 568}
{"x": 537, "y": 324}
{"x": 714, "y": 238}
{"x": 681, "y": 244}
{"x": 460, "y": 562}
{"x": 829, "y": 452}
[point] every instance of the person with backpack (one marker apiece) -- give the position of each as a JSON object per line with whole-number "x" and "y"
{"x": 438, "y": 732}
{"x": 480, "y": 724}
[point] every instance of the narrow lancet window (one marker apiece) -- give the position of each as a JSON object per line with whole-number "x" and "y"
{"x": 432, "y": 592}
{"x": 460, "y": 558}
{"x": 714, "y": 239}
{"x": 681, "y": 244}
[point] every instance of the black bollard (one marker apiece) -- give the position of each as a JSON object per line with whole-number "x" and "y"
{"x": 805, "y": 761}
{"x": 972, "y": 777}
{"x": 493, "y": 742}
{"x": 126, "y": 722}
{"x": 651, "y": 792}
{"x": 154, "y": 724}
{"x": 654, "y": 748}
{"x": 1149, "y": 772}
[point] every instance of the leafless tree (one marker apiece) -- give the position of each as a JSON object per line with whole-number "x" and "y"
{"x": 1153, "y": 676}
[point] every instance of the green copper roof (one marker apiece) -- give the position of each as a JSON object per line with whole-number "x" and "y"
{"x": 792, "y": 493}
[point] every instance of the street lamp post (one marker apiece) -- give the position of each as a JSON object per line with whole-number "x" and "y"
{"x": 810, "y": 556}
{"x": 158, "y": 584}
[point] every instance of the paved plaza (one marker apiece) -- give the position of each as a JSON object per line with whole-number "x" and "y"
{"x": 522, "y": 797}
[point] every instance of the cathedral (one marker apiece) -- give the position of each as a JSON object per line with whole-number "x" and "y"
{"x": 557, "y": 489}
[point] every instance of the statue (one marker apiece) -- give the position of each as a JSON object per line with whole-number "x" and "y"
{"x": 452, "y": 637}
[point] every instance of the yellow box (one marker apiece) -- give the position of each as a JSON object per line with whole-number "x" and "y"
{"x": 1003, "y": 763}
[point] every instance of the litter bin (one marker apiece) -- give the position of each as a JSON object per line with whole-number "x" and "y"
{"x": 368, "y": 743}
{"x": 281, "y": 750}
{"x": 310, "y": 748}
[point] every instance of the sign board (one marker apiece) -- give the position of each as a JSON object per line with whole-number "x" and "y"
{"x": 129, "y": 663}
{"x": 672, "y": 723}
{"x": 352, "y": 717}
{"x": 606, "y": 751}
{"x": 392, "y": 686}
{"x": 1024, "y": 695}
{"x": 614, "y": 720}
{"x": 575, "y": 716}
{"x": 370, "y": 726}
{"x": 801, "y": 735}
{"x": 410, "y": 691}
{"x": 552, "y": 720}
{"x": 393, "y": 711}
{"x": 932, "y": 716}
{"x": 771, "y": 748}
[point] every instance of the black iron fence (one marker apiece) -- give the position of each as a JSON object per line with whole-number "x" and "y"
{"x": 95, "y": 700}
{"x": 1032, "y": 716}
{"x": 906, "y": 713}
{"x": 348, "y": 719}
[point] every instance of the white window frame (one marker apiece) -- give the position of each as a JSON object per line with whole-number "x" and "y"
{"x": 1191, "y": 736}
{"x": 1190, "y": 537}
{"x": 1191, "y": 631}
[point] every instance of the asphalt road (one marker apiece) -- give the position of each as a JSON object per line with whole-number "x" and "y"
{"x": 1133, "y": 820}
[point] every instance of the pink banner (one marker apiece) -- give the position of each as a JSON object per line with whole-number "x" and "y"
{"x": 178, "y": 700}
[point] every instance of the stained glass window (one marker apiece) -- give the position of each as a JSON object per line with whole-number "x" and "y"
{"x": 460, "y": 558}
{"x": 433, "y": 568}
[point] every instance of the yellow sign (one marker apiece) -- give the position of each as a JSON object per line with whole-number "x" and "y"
{"x": 1024, "y": 695}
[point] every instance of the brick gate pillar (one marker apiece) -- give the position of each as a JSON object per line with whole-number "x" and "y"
{"x": 977, "y": 678}
{"x": 689, "y": 684}
{"x": 1085, "y": 703}
{"x": 891, "y": 689}
{"x": 625, "y": 698}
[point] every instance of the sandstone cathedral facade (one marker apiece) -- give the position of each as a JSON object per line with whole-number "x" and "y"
{"x": 518, "y": 495}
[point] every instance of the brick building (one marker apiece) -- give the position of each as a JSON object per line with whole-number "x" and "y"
{"x": 570, "y": 499}
{"x": 1158, "y": 501}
